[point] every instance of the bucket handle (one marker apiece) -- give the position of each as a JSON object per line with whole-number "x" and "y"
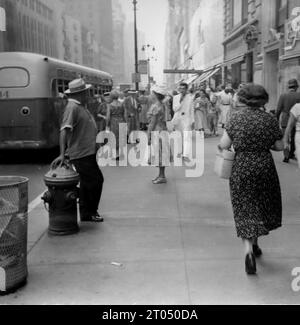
{"x": 67, "y": 164}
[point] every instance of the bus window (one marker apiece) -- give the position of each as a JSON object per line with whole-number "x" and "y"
{"x": 54, "y": 88}
{"x": 60, "y": 86}
{"x": 13, "y": 77}
{"x": 91, "y": 92}
{"x": 66, "y": 85}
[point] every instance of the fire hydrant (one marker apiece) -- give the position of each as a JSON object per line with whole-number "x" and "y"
{"x": 61, "y": 198}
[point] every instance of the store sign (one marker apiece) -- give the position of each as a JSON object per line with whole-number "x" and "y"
{"x": 136, "y": 77}
{"x": 235, "y": 48}
{"x": 143, "y": 67}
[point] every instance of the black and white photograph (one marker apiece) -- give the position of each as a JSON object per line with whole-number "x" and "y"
{"x": 149, "y": 155}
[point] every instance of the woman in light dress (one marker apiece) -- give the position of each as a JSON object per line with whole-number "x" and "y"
{"x": 201, "y": 105}
{"x": 157, "y": 122}
{"x": 115, "y": 116}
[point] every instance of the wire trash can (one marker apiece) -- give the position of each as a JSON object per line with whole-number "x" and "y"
{"x": 13, "y": 233}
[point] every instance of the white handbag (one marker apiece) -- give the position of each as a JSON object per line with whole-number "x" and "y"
{"x": 224, "y": 163}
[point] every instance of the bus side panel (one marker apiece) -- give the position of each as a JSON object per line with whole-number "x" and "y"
{"x": 28, "y": 124}
{"x": 51, "y": 120}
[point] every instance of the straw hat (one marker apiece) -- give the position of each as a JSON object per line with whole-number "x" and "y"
{"x": 77, "y": 86}
{"x": 159, "y": 90}
{"x": 293, "y": 83}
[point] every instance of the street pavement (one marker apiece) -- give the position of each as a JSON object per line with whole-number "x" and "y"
{"x": 171, "y": 244}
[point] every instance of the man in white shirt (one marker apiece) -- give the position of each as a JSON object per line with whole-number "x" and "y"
{"x": 294, "y": 121}
{"x": 184, "y": 117}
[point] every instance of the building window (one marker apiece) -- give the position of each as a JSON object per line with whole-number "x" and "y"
{"x": 38, "y": 7}
{"x": 44, "y": 11}
{"x": 40, "y": 37}
{"x": 50, "y": 14}
{"x": 282, "y": 3}
{"x": 239, "y": 12}
{"x": 31, "y": 4}
{"x": 201, "y": 39}
{"x": 281, "y": 13}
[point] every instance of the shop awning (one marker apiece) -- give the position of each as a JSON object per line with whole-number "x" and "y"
{"x": 235, "y": 60}
{"x": 192, "y": 79}
{"x": 208, "y": 75}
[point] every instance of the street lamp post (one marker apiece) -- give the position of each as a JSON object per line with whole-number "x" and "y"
{"x": 136, "y": 46}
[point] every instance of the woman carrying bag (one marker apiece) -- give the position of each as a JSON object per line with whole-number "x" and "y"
{"x": 254, "y": 183}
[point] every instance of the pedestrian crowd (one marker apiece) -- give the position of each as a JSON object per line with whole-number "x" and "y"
{"x": 248, "y": 129}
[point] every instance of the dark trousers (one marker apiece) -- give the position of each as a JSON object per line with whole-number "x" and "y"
{"x": 91, "y": 185}
{"x": 293, "y": 146}
{"x": 292, "y": 150}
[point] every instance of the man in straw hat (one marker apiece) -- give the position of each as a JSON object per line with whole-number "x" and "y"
{"x": 78, "y": 142}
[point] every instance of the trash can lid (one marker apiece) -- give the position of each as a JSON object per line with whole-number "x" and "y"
{"x": 11, "y": 181}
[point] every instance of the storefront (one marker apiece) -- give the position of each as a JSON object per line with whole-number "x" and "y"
{"x": 241, "y": 56}
{"x": 290, "y": 60}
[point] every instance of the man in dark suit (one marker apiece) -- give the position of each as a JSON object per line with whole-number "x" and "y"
{"x": 132, "y": 111}
{"x": 285, "y": 104}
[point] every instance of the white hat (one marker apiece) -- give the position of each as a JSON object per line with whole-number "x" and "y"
{"x": 77, "y": 86}
{"x": 159, "y": 90}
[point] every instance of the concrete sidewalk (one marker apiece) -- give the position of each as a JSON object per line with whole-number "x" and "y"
{"x": 176, "y": 244}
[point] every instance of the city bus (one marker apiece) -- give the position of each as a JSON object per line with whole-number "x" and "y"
{"x": 29, "y": 85}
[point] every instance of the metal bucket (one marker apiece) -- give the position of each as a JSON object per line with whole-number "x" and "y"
{"x": 13, "y": 232}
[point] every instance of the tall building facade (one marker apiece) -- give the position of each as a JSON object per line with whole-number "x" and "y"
{"x": 90, "y": 48}
{"x": 206, "y": 49}
{"x": 119, "y": 21}
{"x": 281, "y": 46}
{"x": 96, "y": 15}
{"x": 262, "y": 44}
{"x": 73, "y": 40}
{"x": 31, "y": 26}
{"x": 242, "y": 41}
{"x": 178, "y": 38}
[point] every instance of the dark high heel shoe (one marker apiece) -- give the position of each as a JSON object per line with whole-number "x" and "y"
{"x": 250, "y": 264}
{"x": 257, "y": 251}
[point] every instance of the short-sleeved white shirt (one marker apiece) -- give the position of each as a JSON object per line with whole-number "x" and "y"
{"x": 296, "y": 113}
{"x": 83, "y": 130}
